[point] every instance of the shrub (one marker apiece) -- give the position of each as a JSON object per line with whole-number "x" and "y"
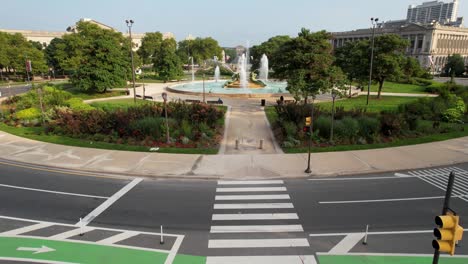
{"x": 425, "y": 127}
{"x": 29, "y": 114}
{"x": 78, "y": 105}
{"x": 391, "y": 124}
{"x": 186, "y": 129}
{"x": 148, "y": 126}
{"x": 290, "y": 129}
{"x": 347, "y": 129}
{"x": 323, "y": 125}
{"x": 368, "y": 127}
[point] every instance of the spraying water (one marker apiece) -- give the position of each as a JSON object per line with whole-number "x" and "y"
{"x": 216, "y": 74}
{"x": 264, "y": 68}
{"x": 242, "y": 69}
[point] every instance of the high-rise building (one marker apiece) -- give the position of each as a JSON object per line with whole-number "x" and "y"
{"x": 433, "y": 11}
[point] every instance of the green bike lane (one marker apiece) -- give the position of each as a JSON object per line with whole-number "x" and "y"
{"x": 385, "y": 259}
{"x": 29, "y": 249}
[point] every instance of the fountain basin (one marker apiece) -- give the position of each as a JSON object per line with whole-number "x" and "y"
{"x": 216, "y": 89}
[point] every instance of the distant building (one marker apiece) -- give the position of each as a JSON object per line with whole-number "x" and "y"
{"x": 429, "y": 44}
{"x": 45, "y": 37}
{"x": 433, "y": 11}
{"x": 433, "y": 29}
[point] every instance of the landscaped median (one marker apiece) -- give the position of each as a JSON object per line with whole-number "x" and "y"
{"x": 53, "y": 115}
{"x": 30, "y": 249}
{"x": 386, "y": 259}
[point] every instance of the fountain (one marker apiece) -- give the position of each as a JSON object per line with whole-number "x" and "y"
{"x": 264, "y": 68}
{"x": 216, "y": 73}
{"x": 240, "y": 78}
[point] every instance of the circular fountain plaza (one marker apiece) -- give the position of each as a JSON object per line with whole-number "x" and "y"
{"x": 243, "y": 84}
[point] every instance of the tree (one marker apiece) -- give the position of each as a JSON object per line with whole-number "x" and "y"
{"x": 200, "y": 49}
{"x": 349, "y": 58}
{"x": 15, "y": 50}
{"x": 55, "y": 53}
{"x": 455, "y": 66}
{"x": 305, "y": 63}
{"x": 269, "y": 48}
{"x": 150, "y": 43}
{"x": 99, "y": 58}
{"x": 389, "y": 58}
{"x": 411, "y": 68}
{"x": 166, "y": 62}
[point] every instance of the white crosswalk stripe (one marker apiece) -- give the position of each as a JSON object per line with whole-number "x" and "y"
{"x": 439, "y": 179}
{"x": 240, "y": 222}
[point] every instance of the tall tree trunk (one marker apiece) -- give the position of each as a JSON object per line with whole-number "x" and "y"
{"x": 381, "y": 82}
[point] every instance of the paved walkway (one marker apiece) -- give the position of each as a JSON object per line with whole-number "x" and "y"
{"x": 248, "y": 123}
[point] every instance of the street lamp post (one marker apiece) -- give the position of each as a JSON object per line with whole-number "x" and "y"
{"x": 374, "y": 23}
{"x": 129, "y": 25}
{"x": 164, "y": 96}
{"x": 204, "y": 66}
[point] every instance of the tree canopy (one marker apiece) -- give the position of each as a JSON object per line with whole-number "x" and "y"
{"x": 166, "y": 62}
{"x": 269, "y": 48}
{"x": 200, "y": 49}
{"x": 305, "y": 61}
{"x": 98, "y": 57}
{"x": 150, "y": 43}
{"x": 455, "y": 66}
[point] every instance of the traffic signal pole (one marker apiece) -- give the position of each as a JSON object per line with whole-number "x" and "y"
{"x": 445, "y": 209}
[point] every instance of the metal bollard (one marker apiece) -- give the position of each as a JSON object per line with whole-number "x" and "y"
{"x": 237, "y": 143}
{"x": 365, "y": 236}
{"x": 81, "y": 227}
{"x": 261, "y": 144}
{"x": 162, "y": 236}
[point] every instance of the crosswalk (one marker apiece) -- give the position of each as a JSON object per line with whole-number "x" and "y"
{"x": 255, "y": 222}
{"x": 439, "y": 179}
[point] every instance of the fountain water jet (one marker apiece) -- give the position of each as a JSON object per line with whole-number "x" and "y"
{"x": 216, "y": 74}
{"x": 264, "y": 68}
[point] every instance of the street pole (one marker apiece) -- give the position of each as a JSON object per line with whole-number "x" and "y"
{"x": 204, "y": 66}
{"x": 374, "y": 22}
{"x": 332, "y": 116}
{"x": 310, "y": 137}
{"x": 129, "y": 25}
{"x": 445, "y": 209}
{"x": 164, "y": 96}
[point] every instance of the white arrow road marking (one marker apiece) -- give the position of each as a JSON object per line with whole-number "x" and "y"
{"x": 42, "y": 249}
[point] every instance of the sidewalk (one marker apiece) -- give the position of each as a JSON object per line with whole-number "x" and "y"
{"x": 233, "y": 166}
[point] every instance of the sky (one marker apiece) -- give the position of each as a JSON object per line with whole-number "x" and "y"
{"x": 230, "y": 22}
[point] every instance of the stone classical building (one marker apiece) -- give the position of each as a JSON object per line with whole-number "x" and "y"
{"x": 45, "y": 37}
{"x": 430, "y": 44}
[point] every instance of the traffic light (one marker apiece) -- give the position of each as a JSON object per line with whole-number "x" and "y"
{"x": 308, "y": 121}
{"x": 448, "y": 233}
{"x": 306, "y": 129}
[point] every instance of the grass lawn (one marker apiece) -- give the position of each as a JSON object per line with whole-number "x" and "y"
{"x": 86, "y": 96}
{"x": 110, "y": 105}
{"x": 34, "y": 133}
{"x": 375, "y": 105}
{"x": 391, "y": 87}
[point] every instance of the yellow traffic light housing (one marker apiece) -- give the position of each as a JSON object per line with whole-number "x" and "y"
{"x": 308, "y": 121}
{"x": 448, "y": 233}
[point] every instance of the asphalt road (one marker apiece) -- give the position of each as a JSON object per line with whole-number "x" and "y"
{"x": 14, "y": 90}
{"x": 323, "y": 206}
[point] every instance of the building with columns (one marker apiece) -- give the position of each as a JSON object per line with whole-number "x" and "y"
{"x": 430, "y": 43}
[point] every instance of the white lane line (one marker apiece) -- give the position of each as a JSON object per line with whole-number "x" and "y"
{"x": 389, "y": 255}
{"x": 376, "y": 233}
{"x": 250, "y": 182}
{"x": 255, "y": 206}
{"x": 384, "y": 200}
{"x": 308, "y": 259}
{"x": 25, "y": 229}
{"x": 72, "y": 233}
{"x": 347, "y": 243}
{"x": 258, "y": 243}
{"x": 116, "y": 238}
{"x": 27, "y": 260}
{"x": 273, "y": 216}
{"x": 49, "y": 191}
{"x": 175, "y": 248}
{"x": 252, "y": 189}
{"x": 400, "y": 176}
{"x": 252, "y": 197}
{"x": 256, "y": 229}
{"x": 101, "y": 208}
